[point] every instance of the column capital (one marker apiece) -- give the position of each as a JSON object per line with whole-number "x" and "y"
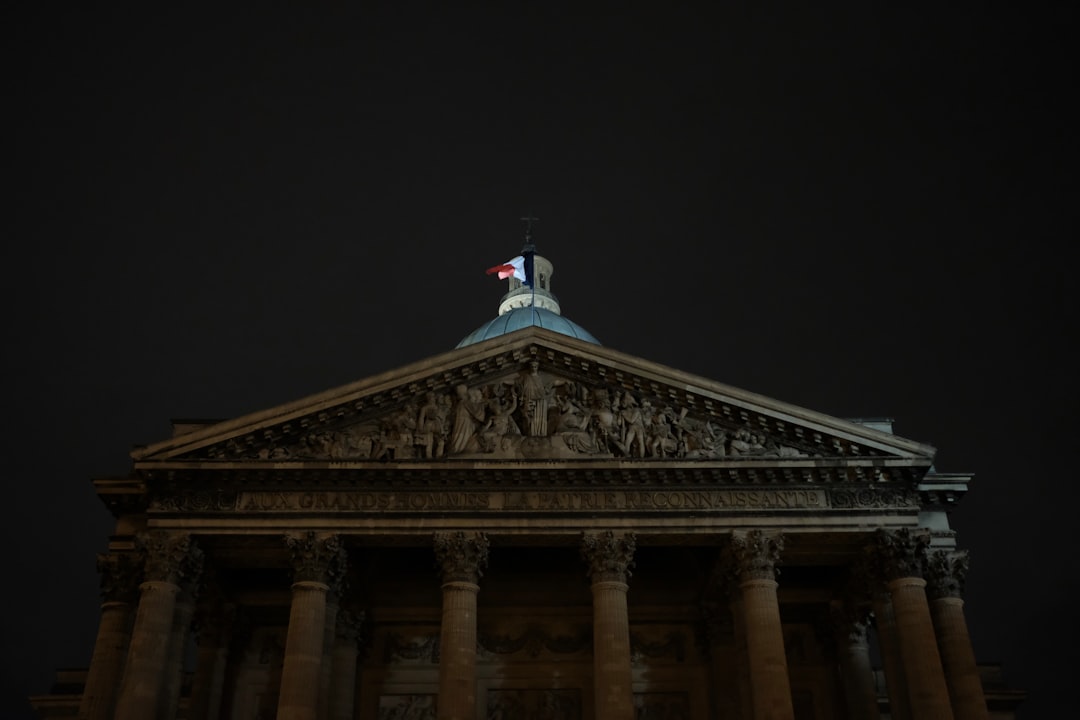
{"x": 119, "y": 576}
{"x": 461, "y": 556}
{"x": 170, "y": 557}
{"x": 900, "y": 553}
{"x": 850, "y": 621}
{"x": 317, "y": 558}
{"x": 946, "y": 573}
{"x": 753, "y": 554}
{"x": 609, "y": 556}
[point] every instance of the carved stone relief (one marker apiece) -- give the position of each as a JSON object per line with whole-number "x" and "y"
{"x": 535, "y": 641}
{"x": 406, "y": 707}
{"x": 661, "y": 706}
{"x": 528, "y": 415}
{"x": 399, "y": 649}
{"x": 539, "y": 704}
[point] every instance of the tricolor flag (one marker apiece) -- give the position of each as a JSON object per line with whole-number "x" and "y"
{"x": 517, "y": 267}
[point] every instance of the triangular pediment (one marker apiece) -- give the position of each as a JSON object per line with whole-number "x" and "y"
{"x": 534, "y": 395}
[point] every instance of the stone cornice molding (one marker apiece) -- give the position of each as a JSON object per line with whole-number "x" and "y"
{"x": 317, "y": 558}
{"x": 170, "y": 557}
{"x": 120, "y": 573}
{"x": 946, "y": 573}
{"x": 900, "y": 553}
{"x": 609, "y": 556}
{"x": 754, "y": 554}
{"x": 461, "y": 556}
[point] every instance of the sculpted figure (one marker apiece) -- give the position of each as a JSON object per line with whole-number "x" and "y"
{"x": 431, "y": 432}
{"x": 633, "y": 427}
{"x": 500, "y": 423}
{"x": 534, "y": 402}
{"x": 604, "y": 421}
{"x": 468, "y": 417}
{"x": 661, "y": 441}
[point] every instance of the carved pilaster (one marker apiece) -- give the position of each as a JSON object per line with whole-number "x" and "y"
{"x": 170, "y": 557}
{"x": 317, "y": 558}
{"x": 609, "y": 557}
{"x": 461, "y": 556}
{"x": 946, "y": 572}
{"x": 900, "y": 553}
{"x": 754, "y": 555}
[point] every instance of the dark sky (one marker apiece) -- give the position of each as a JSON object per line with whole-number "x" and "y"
{"x": 866, "y": 212}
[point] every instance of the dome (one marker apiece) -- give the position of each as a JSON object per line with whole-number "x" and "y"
{"x": 523, "y": 317}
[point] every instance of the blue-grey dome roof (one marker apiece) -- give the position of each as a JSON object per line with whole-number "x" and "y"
{"x": 523, "y": 317}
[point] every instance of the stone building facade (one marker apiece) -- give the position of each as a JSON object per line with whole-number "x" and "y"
{"x": 533, "y": 526}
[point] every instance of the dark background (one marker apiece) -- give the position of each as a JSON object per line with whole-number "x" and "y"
{"x": 866, "y": 212}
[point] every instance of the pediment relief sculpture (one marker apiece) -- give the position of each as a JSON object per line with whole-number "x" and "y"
{"x": 531, "y": 414}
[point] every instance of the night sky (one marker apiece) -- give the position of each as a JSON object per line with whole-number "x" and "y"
{"x": 865, "y": 212}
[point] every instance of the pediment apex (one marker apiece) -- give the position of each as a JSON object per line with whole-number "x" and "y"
{"x": 675, "y": 413}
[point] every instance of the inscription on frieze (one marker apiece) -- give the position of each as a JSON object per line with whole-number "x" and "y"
{"x": 494, "y": 502}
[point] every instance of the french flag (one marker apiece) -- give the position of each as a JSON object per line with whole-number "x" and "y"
{"x": 519, "y": 267}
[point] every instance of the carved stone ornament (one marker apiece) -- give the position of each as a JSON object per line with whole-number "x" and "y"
{"x": 900, "y": 553}
{"x": 531, "y": 414}
{"x": 754, "y": 555}
{"x": 946, "y": 572}
{"x": 317, "y": 558}
{"x": 399, "y": 649}
{"x": 119, "y": 576}
{"x": 535, "y": 640}
{"x": 170, "y": 557}
{"x": 608, "y": 556}
{"x": 461, "y": 556}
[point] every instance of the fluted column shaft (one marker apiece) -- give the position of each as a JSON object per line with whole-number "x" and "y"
{"x": 958, "y": 658}
{"x": 918, "y": 648}
{"x": 169, "y": 701}
{"x": 462, "y": 558}
{"x": 725, "y": 665}
{"x": 343, "y": 683}
{"x": 457, "y": 663}
{"x": 902, "y": 555}
{"x": 119, "y": 576}
{"x": 856, "y": 671}
{"x": 107, "y": 662}
{"x": 754, "y": 556}
{"x": 215, "y": 631}
{"x": 947, "y": 572}
{"x": 895, "y": 679}
{"x": 318, "y": 561}
{"x": 326, "y": 668}
{"x": 299, "y": 697}
{"x": 167, "y": 556}
{"x": 610, "y": 558}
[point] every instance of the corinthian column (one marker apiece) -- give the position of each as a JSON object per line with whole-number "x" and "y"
{"x": 169, "y": 700}
{"x": 214, "y": 619}
{"x": 462, "y": 558}
{"x": 343, "y": 682}
{"x": 318, "y": 563}
{"x": 119, "y": 575}
{"x": 851, "y": 624}
{"x": 754, "y": 556}
{"x": 946, "y": 574}
{"x": 609, "y": 558}
{"x": 168, "y": 557}
{"x": 901, "y": 555}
